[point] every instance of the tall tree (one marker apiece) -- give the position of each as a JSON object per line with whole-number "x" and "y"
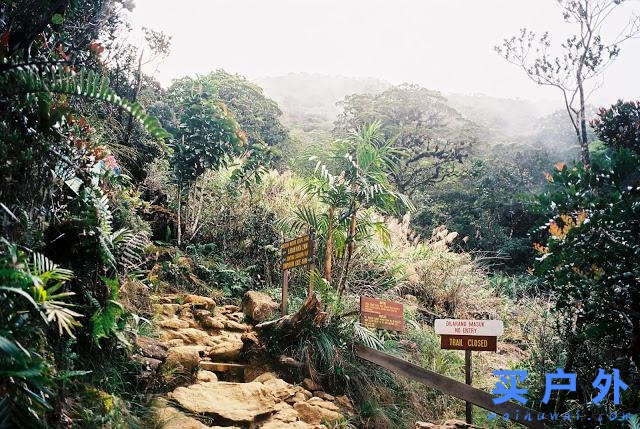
{"x": 258, "y": 115}
{"x": 578, "y": 66}
{"x": 367, "y": 158}
{"x": 205, "y": 136}
{"x": 433, "y": 136}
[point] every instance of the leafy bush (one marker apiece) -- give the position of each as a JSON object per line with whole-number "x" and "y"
{"x": 33, "y": 296}
{"x": 619, "y": 125}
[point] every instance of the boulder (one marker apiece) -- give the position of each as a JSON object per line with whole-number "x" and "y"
{"x": 311, "y": 385}
{"x": 173, "y": 323}
{"x": 170, "y": 418}
{"x": 196, "y": 336}
{"x": 206, "y": 376}
{"x": 280, "y": 388}
{"x": 198, "y": 301}
{"x": 265, "y": 377}
{"x": 316, "y": 412}
{"x": 151, "y": 347}
{"x": 237, "y": 402}
{"x": 286, "y": 417}
{"x": 149, "y": 364}
{"x": 258, "y": 306}
{"x": 323, "y": 404}
{"x": 215, "y": 323}
{"x": 227, "y": 345}
{"x": 324, "y": 395}
{"x": 232, "y": 325}
{"x": 344, "y": 402}
{"x": 167, "y": 309}
{"x": 297, "y": 397}
{"x": 185, "y": 358}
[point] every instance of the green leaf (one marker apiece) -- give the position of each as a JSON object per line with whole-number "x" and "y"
{"x": 57, "y": 19}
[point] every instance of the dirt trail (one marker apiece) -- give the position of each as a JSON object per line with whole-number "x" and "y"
{"x": 202, "y": 344}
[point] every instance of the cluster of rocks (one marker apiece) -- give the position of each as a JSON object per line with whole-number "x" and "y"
{"x": 266, "y": 402}
{"x": 199, "y": 338}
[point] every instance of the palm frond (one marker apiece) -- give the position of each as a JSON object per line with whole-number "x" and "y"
{"x": 59, "y": 312}
{"x": 367, "y": 337}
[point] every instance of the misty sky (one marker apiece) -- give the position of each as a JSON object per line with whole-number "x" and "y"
{"x": 446, "y": 45}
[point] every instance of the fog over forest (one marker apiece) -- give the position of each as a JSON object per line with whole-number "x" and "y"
{"x": 444, "y": 45}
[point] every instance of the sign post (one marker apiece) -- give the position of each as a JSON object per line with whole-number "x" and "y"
{"x": 295, "y": 253}
{"x": 468, "y": 335}
{"x": 467, "y": 379}
{"x": 285, "y": 292}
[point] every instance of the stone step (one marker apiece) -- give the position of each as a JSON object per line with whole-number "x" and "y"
{"x": 221, "y": 366}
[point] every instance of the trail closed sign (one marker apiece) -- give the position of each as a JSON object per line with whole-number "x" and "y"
{"x": 475, "y": 343}
{"x": 469, "y": 335}
{"x": 484, "y": 328}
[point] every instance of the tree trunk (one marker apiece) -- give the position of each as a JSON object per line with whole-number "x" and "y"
{"x": 328, "y": 254}
{"x": 582, "y": 135}
{"x": 291, "y": 325}
{"x": 136, "y": 92}
{"x": 350, "y": 246}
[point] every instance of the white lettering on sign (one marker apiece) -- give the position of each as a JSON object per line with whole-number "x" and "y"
{"x": 489, "y": 328}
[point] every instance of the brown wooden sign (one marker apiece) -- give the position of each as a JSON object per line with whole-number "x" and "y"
{"x": 296, "y": 252}
{"x": 376, "y": 313}
{"x": 469, "y": 342}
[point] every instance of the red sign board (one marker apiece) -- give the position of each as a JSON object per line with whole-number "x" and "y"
{"x": 376, "y": 313}
{"x": 469, "y": 342}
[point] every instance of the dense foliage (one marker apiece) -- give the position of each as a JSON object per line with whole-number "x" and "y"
{"x": 486, "y": 203}
{"x": 589, "y": 257}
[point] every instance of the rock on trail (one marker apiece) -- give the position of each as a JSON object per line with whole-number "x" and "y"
{"x": 205, "y": 341}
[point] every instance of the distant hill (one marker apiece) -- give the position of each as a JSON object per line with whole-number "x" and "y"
{"x": 308, "y": 101}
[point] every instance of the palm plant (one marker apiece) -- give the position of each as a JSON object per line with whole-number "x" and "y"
{"x": 367, "y": 159}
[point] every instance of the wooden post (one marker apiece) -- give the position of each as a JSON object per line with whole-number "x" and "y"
{"x": 312, "y": 265}
{"x": 467, "y": 379}
{"x": 285, "y": 292}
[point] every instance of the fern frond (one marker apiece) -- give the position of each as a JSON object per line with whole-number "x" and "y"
{"x": 29, "y": 79}
{"x": 129, "y": 247}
